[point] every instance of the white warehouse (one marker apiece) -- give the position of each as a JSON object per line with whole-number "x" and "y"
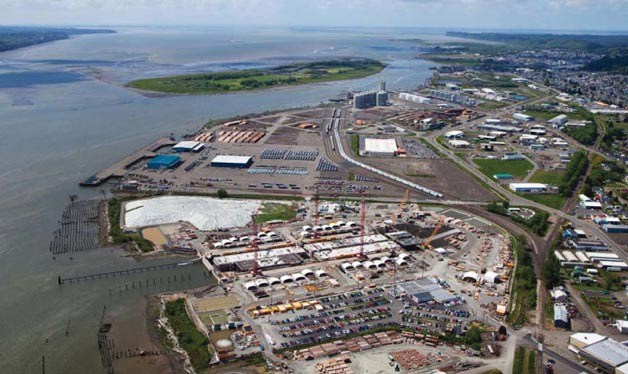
{"x": 415, "y": 98}
{"x": 528, "y": 187}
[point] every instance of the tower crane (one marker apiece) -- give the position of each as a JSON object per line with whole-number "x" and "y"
{"x": 362, "y": 224}
{"x": 402, "y": 203}
{"x": 315, "y": 215}
{"x": 427, "y": 243}
{"x": 254, "y": 244}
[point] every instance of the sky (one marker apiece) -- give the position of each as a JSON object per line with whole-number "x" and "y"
{"x": 577, "y": 15}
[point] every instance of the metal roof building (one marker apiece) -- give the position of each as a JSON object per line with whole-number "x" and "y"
{"x": 164, "y": 162}
{"x": 459, "y": 143}
{"x": 607, "y": 355}
{"x": 528, "y": 187}
{"x": 379, "y": 147}
{"x": 501, "y": 176}
{"x": 226, "y": 161}
{"x": 188, "y": 146}
{"x": 583, "y": 339}
{"x": 424, "y": 290}
{"x": 561, "y": 316}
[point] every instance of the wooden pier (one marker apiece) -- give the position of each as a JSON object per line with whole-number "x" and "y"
{"x": 112, "y": 274}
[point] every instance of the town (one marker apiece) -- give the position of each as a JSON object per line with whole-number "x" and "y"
{"x": 477, "y": 222}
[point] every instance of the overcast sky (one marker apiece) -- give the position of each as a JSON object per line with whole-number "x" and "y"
{"x": 451, "y": 14}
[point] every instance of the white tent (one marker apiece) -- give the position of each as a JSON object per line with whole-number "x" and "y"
{"x": 492, "y": 277}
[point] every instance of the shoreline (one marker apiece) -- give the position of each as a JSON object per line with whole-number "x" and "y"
{"x": 157, "y": 93}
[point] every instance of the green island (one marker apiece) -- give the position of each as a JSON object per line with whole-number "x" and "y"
{"x": 254, "y": 79}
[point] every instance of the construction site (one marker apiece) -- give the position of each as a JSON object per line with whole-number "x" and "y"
{"x": 389, "y": 273}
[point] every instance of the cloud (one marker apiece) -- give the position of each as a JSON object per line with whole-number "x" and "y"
{"x": 591, "y": 14}
{"x": 243, "y": 4}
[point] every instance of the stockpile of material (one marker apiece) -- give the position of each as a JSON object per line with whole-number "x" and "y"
{"x": 239, "y": 136}
{"x": 412, "y": 359}
{"x": 336, "y": 365}
{"x": 361, "y": 343}
{"x": 205, "y": 137}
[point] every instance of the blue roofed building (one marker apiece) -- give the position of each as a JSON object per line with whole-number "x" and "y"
{"x": 160, "y": 162}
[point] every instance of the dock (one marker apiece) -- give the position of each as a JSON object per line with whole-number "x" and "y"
{"x": 112, "y": 274}
{"x": 120, "y": 168}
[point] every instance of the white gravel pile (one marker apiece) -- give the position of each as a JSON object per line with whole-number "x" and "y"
{"x": 205, "y": 213}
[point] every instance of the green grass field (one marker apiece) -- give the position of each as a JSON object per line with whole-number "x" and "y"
{"x": 355, "y": 144}
{"x": 548, "y": 177}
{"x": 490, "y": 105}
{"x": 554, "y": 178}
{"x": 276, "y": 211}
{"x": 544, "y": 115}
{"x": 555, "y": 201}
{"x": 518, "y": 168}
{"x": 254, "y": 79}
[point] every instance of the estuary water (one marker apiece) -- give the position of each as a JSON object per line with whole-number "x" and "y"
{"x": 64, "y": 114}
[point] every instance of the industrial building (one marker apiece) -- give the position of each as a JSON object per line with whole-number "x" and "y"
{"x": 561, "y": 316}
{"x": 378, "y": 147}
{"x": 225, "y": 161}
{"x": 622, "y": 326}
{"x": 369, "y": 99}
{"x": 454, "y": 134}
{"x": 188, "y": 146}
{"x": 607, "y": 355}
{"x": 615, "y": 229}
{"x": 588, "y": 203}
{"x": 500, "y": 128}
{"x": 513, "y": 156}
{"x": 266, "y": 259}
{"x": 161, "y": 162}
{"x": 502, "y": 176}
{"x": 588, "y": 245}
{"x": 606, "y": 220}
{"x": 459, "y": 143}
{"x": 415, "y": 98}
{"x": 583, "y": 339}
{"x": 558, "y": 121}
{"x": 453, "y": 97}
{"x": 528, "y": 187}
{"x": 559, "y": 295}
{"x": 425, "y": 290}
{"x": 523, "y": 117}
{"x": 381, "y": 98}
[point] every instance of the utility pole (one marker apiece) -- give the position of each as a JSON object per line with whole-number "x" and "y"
{"x": 254, "y": 243}
{"x": 362, "y": 224}
{"x": 395, "y": 278}
{"x": 315, "y": 214}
